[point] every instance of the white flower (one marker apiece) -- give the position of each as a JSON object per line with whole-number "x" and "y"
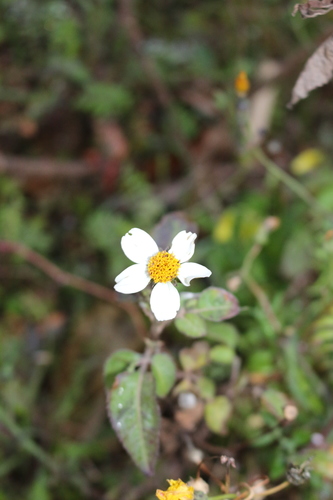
{"x": 160, "y": 266}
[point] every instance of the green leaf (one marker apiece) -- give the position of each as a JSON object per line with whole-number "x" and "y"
{"x": 267, "y": 438}
{"x": 118, "y": 362}
{"x": 304, "y": 387}
{"x": 261, "y": 361}
{"x": 195, "y": 357}
{"x": 223, "y": 333}
{"x": 217, "y": 304}
{"x": 135, "y": 417}
{"x": 222, "y": 354}
{"x": 164, "y": 371}
{"x": 206, "y": 387}
{"x": 217, "y": 413}
{"x": 322, "y": 462}
{"x": 40, "y": 488}
{"x": 105, "y": 99}
{"x": 275, "y": 402}
{"x": 191, "y": 325}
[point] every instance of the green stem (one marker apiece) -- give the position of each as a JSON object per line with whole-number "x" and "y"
{"x": 226, "y": 496}
{"x": 27, "y": 444}
{"x": 287, "y": 179}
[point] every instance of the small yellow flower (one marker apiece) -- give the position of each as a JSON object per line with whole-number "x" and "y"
{"x": 242, "y": 84}
{"x": 176, "y": 491}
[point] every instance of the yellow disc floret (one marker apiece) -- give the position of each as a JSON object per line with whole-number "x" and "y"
{"x": 163, "y": 267}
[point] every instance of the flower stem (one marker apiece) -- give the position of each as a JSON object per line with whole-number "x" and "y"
{"x": 273, "y": 490}
{"x": 287, "y": 179}
{"x": 225, "y": 496}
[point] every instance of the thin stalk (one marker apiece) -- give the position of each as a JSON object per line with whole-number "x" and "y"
{"x": 271, "y": 491}
{"x": 225, "y": 496}
{"x": 287, "y": 179}
{"x": 26, "y": 442}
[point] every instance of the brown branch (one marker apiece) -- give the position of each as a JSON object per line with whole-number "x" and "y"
{"x": 67, "y": 279}
{"x": 45, "y": 167}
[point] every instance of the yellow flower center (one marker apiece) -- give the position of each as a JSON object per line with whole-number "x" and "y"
{"x": 163, "y": 267}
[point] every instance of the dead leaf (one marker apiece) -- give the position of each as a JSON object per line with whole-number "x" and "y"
{"x": 313, "y": 8}
{"x": 262, "y": 102}
{"x": 189, "y": 418}
{"x": 318, "y": 70}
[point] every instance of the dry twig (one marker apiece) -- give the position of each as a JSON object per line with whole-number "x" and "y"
{"x": 67, "y": 279}
{"x": 45, "y": 167}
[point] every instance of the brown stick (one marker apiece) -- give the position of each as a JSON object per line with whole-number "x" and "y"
{"x": 67, "y": 279}
{"x": 44, "y": 167}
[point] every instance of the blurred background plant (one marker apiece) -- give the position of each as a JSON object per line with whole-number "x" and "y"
{"x": 113, "y": 114}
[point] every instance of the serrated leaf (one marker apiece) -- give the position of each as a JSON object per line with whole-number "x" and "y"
{"x": 135, "y": 417}
{"x": 164, "y": 371}
{"x": 222, "y": 354}
{"x": 119, "y": 362}
{"x": 191, "y": 325}
{"x": 217, "y": 413}
{"x": 217, "y": 304}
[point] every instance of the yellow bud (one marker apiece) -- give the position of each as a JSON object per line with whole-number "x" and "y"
{"x": 242, "y": 84}
{"x": 307, "y": 160}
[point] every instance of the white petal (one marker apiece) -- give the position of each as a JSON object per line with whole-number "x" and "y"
{"x": 133, "y": 279}
{"x": 138, "y": 245}
{"x": 190, "y": 270}
{"x": 183, "y": 246}
{"x": 164, "y": 301}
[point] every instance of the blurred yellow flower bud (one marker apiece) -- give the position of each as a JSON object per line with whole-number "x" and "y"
{"x": 242, "y": 84}
{"x": 178, "y": 490}
{"x": 307, "y": 160}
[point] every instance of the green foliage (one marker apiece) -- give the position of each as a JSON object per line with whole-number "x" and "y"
{"x": 217, "y": 414}
{"x": 14, "y": 225}
{"x": 135, "y": 417}
{"x": 164, "y": 371}
{"x": 105, "y": 100}
{"x": 216, "y": 305}
{"x": 191, "y": 325}
{"x": 120, "y": 361}
{"x": 263, "y": 379}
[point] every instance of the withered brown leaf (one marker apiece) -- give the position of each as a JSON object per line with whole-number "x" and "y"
{"x": 318, "y": 70}
{"x": 313, "y": 8}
